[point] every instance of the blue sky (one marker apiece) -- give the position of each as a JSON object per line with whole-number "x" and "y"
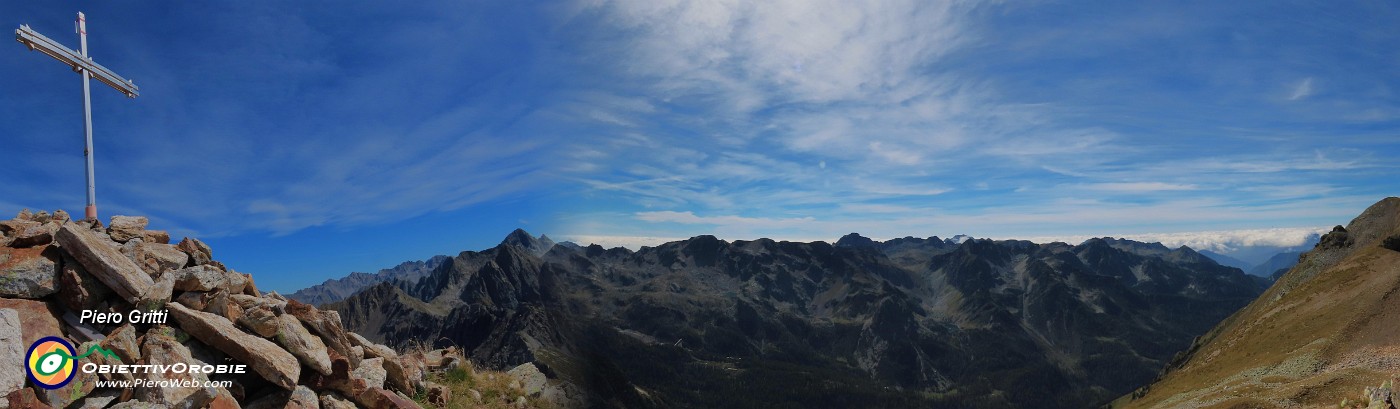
{"x": 306, "y": 140}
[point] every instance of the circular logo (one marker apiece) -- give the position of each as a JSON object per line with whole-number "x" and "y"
{"x": 50, "y": 362}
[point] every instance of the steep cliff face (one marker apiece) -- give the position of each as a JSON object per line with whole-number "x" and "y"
{"x": 1327, "y": 328}
{"x": 904, "y": 323}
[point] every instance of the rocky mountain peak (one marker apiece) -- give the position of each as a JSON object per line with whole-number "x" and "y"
{"x": 855, "y": 240}
{"x": 535, "y": 245}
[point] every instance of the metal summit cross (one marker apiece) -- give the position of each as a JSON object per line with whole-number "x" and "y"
{"x": 82, "y": 64}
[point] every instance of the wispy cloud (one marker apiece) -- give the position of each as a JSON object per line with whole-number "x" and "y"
{"x": 1302, "y": 90}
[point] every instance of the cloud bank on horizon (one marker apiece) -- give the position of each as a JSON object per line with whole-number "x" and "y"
{"x": 629, "y": 120}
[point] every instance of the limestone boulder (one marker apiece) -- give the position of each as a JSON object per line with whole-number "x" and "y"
{"x": 125, "y": 228}
{"x": 372, "y": 372}
{"x": 105, "y": 262}
{"x": 221, "y": 304}
{"x": 12, "y": 351}
{"x": 155, "y": 258}
{"x": 273, "y": 363}
{"x": 29, "y": 272}
{"x": 39, "y": 234}
{"x": 261, "y": 320}
{"x": 309, "y": 349}
{"x": 332, "y": 400}
{"x": 208, "y": 278}
{"x": 325, "y": 324}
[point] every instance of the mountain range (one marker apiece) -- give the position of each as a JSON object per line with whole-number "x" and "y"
{"x": 908, "y": 322}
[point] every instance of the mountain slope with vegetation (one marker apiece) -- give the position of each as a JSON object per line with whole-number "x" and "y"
{"x": 1326, "y": 330}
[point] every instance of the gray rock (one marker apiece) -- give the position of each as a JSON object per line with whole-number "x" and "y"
{"x": 161, "y": 348}
{"x": 372, "y": 371}
{"x": 155, "y": 258}
{"x": 134, "y": 404}
{"x": 12, "y": 350}
{"x": 99, "y": 399}
{"x": 261, "y": 320}
{"x": 306, "y": 347}
{"x": 208, "y": 278}
{"x": 106, "y": 263}
{"x": 28, "y": 272}
{"x": 262, "y": 356}
{"x": 332, "y": 400}
{"x": 299, "y": 398}
{"x": 79, "y": 330}
{"x": 125, "y": 228}
{"x": 325, "y": 324}
{"x": 38, "y": 235}
{"x": 532, "y": 381}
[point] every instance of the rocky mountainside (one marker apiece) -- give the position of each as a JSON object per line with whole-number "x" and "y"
{"x": 1323, "y": 332}
{"x": 337, "y": 289}
{"x": 123, "y": 298}
{"x": 902, "y": 323}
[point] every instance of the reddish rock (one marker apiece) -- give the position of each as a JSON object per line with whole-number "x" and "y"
{"x": 35, "y": 235}
{"x": 29, "y": 272}
{"x": 200, "y": 253}
{"x": 36, "y": 319}
{"x": 380, "y": 398}
{"x": 25, "y": 398}
{"x": 156, "y": 236}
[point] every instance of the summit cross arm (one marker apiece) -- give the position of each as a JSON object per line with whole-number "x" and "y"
{"x": 79, "y": 61}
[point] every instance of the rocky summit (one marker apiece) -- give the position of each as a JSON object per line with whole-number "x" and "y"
{"x": 908, "y": 322}
{"x": 1324, "y": 334}
{"x": 132, "y": 300}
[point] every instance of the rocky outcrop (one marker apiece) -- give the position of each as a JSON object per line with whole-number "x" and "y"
{"x": 12, "y": 350}
{"x": 103, "y": 261}
{"x": 28, "y": 272}
{"x": 197, "y": 312}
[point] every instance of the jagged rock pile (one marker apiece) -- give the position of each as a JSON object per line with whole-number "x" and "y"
{"x": 52, "y": 269}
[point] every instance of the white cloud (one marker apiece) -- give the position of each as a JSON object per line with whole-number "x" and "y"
{"x": 1221, "y": 241}
{"x": 1302, "y": 90}
{"x": 1138, "y": 187}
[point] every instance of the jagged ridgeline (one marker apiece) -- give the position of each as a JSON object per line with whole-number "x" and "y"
{"x": 1326, "y": 332}
{"x": 708, "y": 323}
{"x": 123, "y": 298}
